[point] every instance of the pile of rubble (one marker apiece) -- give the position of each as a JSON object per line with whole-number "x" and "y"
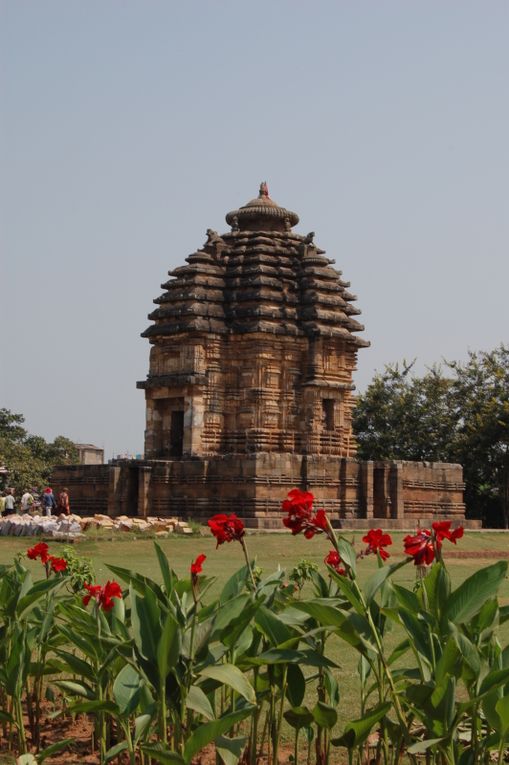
{"x": 58, "y": 527}
{"x": 69, "y": 527}
{"x": 159, "y": 526}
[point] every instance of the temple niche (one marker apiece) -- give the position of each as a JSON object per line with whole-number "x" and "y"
{"x": 249, "y": 393}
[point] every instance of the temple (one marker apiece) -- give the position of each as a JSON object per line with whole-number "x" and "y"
{"x": 250, "y": 392}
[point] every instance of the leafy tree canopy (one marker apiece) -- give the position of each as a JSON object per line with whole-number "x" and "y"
{"x": 458, "y": 412}
{"x": 30, "y": 459}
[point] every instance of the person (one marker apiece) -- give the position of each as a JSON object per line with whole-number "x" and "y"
{"x": 27, "y": 500}
{"x": 2, "y": 502}
{"x": 64, "y": 505}
{"x": 10, "y": 503}
{"x": 48, "y": 501}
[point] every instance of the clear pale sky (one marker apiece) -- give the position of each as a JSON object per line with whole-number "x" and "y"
{"x": 128, "y": 128}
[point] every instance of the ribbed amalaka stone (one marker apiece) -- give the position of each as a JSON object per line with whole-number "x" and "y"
{"x": 270, "y": 325}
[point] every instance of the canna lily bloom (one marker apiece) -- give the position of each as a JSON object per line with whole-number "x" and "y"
{"x": 420, "y": 547}
{"x": 442, "y": 530}
{"x": 103, "y": 596}
{"x": 299, "y": 507}
{"x": 57, "y": 564}
{"x": 377, "y": 541}
{"x": 333, "y": 560}
{"x": 40, "y": 550}
{"x": 196, "y": 567}
{"x": 226, "y": 528}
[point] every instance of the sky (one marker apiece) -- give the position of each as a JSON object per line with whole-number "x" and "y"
{"x": 129, "y": 128}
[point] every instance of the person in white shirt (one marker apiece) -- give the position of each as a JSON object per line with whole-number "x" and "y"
{"x": 9, "y": 503}
{"x": 27, "y": 500}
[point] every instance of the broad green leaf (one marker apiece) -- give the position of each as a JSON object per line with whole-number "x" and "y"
{"x": 77, "y": 665}
{"x": 95, "y": 706}
{"x": 468, "y": 599}
{"x": 39, "y": 590}
{"x": 324, "y": 715}
{"x": 163, "y": 755}
{"x": 323, "y": 610}
{"x": 357, "y": 731}
{"x": 298, "y": 717}
{"x": 296, "y": 685}
{"x": 231, "y": 749}
{"x": 234, "y": 585}
{"x": 114, "y": 751}
{"x": 502, "y": 709}
{"x": 422, "y": 746}
{"x": 77, "y": 689}
{"x": 168, "y": 648}
{"x": 229, "y": 674}
{"x": 211, "y": 731}
{"x": 347, "y": 553}
{"x": 494, "y": 679}
{"x": 198, "y": 701}
{"x": 126, "y": 689}
{"x": 141, "y": 725}
{"x": 272, "y": 627}
{"x": 166, "y": 572}
{"x": 377, "y": 579}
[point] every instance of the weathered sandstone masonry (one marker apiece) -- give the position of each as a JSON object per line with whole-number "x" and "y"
{"x": 250, "y": 393}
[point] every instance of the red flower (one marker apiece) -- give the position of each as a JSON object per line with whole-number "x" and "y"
{"x": 196, "y": 567}
{"x": 226, "y": 528}
{"x": 57, "y": 564}
{"x": 442, "y": 530}
{"x": 420, "y": 547}
{"x": 376, "y": 540}
{"x": 40, "y": 550}
{"x": 102, "y": 595}
{"x": 333, "y": 560}
{"x": 299, "y": 507}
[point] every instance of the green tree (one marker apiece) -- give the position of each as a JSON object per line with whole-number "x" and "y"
{"x": 30, "y": 459}
{"x": 461, "y": 416}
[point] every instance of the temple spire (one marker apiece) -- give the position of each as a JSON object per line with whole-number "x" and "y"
{"x": 264, "y": 190}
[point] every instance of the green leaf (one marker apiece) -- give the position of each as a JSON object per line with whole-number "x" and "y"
{"x": 502, "y": 709}
{"x": 357, "y": 731}
{"x": 272, "y": 627}
{"x": 126, "y": 689}
{"x": 77, "y": 689}
{"x": 377, "y": 579}
{"x": 77, "y": 665}
{"x": 166, "y": 572}
{"x": 234, "y": 585}
{"x": 198, "y": 701}
{"x": 230, "y": 749}
{"x": 229, "y": 674}
{"x": 422, "y": 746}
{"x": 211, "y": 731}
{"x": 298, "y": 717}
{"x": 35, "y": 593}
{"x": 468, "y": 599}
{"x": 95, "y": 706}
{"x": 115, "y": 750}
{"x": 163, "y": 755}
{"x": 323, "y": 610}
{"x": 324, "y": 715}
{"x": 141, "y": 725}
{"x": 296, "y": 685}
{"x": 347, "y": 553}
{"x": 168, "y": 648}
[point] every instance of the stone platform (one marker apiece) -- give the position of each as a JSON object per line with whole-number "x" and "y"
{"x": 354, "y": 493}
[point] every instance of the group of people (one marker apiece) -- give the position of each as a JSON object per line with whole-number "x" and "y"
{"x": 31, "y": 501}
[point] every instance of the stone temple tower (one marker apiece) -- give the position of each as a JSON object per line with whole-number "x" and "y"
{"x": 253, "y": 345}
{"x": 249, "y": 394}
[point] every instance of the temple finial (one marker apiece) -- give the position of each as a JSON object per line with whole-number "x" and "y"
{"x": 264, "y": 190}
